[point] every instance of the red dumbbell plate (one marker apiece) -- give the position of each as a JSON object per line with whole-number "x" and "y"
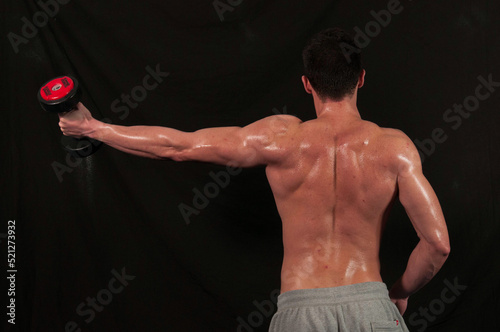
{"x": 60, "y": 94}
{"x": 57, "y": 89}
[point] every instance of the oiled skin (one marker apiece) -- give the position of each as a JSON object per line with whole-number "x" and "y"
{"x": 334, "y": 179}
{"x": 333, "y": 195}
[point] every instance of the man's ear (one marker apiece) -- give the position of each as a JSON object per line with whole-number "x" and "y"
{"x": 307, "y": 84}
{"x": 361, "y": 80}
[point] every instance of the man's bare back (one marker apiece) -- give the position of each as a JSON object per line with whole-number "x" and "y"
{"x": 333, "y": 178}
{"x": 333, "y": 194}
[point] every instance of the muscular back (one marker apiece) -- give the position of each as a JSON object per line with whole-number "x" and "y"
{"x": 333, "y": 192}
{"x": 334, "y": 179}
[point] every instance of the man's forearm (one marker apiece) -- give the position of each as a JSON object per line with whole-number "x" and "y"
{"x": 145, "y": 141}
{"x": 425, "y": 261}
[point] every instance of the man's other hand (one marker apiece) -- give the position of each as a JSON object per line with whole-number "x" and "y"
{"x": 401, "y": 304}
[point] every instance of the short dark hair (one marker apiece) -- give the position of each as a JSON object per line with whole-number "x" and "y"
{"x": 330, "y": 64}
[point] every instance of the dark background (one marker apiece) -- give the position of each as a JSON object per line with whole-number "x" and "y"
{"x": 218, "y": 273}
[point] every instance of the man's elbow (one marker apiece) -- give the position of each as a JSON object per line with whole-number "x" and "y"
{"x": 442, "y": 249}
{"x": 174, "y": 154}
{"x": 446, "y": 250}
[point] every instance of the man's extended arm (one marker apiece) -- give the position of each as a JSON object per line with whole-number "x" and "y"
{"x": 424, "y": 211}
{"x": 260, "y": 143}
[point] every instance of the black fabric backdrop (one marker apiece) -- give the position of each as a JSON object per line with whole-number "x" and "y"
{"x": 80, "y": 224}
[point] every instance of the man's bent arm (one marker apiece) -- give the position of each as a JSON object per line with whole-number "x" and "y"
{"x": 424, "y": 211}
{"x": 259, "y": 143}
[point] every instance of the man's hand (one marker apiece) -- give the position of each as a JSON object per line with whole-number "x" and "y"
{"x": 399, "y": 297}
{"x": 401, "y": 304}
{"x": 76, "y": 123}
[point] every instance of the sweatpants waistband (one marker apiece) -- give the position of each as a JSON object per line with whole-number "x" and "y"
{"x": 365, "y": 291}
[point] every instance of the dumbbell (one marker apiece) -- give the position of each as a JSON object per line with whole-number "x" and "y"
{"x": 60, "y": 95}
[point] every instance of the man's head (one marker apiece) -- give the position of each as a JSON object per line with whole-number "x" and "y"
{"x": 333, "y": 74}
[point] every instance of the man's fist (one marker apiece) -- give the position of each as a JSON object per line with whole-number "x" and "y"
{"x": 399, "y": 297}
{"x": 77, "y": 123}
{"x": 401, "y": 304}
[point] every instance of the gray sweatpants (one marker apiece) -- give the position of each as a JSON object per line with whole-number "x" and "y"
{"x": 363, "y": 307}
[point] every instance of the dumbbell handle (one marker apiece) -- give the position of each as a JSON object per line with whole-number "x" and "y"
{"x": 60, "y": 95}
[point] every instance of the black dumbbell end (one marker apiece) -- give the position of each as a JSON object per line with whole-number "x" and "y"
{"x": 80, "y": 147}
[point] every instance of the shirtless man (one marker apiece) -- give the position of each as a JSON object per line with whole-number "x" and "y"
{"x": 334, "y": 180}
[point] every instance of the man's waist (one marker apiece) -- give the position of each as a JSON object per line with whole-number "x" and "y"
{"x": 364, "y": 291}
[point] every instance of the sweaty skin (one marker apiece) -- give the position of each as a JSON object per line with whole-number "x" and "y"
{"x": 334, "y": 180}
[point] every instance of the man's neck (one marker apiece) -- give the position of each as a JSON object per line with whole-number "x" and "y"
{"x": 340, "y": 110}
